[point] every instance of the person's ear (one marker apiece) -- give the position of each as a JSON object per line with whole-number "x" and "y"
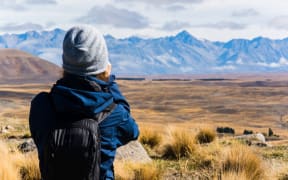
{"x": 108, "y": 69}
{"x": 106, "y": 74}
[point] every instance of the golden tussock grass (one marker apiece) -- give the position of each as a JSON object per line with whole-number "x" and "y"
{"x": 15, "y": 165}
{"x": 7, "y": 166}
{"x": 150, "y": 137}
{"x": 29, "y": 169}
{"x": 234, "y": 176}
{"x": 139, "y": 171}
{"x": 205, "y": 136}
{"x": 181, "y": 144}
{"x": 240, "y": 159}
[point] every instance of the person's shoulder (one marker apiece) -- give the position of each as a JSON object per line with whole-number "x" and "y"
{"x": 40, "y": 97}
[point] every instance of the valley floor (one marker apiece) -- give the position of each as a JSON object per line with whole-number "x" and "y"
{"x": 193, "y": 105}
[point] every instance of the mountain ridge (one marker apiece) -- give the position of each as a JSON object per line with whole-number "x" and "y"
{"x": 176, "y": 54}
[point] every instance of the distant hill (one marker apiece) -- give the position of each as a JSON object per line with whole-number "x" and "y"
{"x": 19, "y": 67}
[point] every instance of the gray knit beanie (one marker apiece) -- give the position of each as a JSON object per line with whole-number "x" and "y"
{"x": 84, "y": 51}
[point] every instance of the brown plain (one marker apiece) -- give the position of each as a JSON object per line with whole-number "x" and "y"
{"x": 194, "y": 104}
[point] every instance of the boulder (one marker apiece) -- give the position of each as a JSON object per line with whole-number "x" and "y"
{"x": 27, "y": 146}
{"x": 3, "y": 130}
{"x": 260, "y": 137}
{"x": 133, "y": 152}
{"x": 254, "y": 139}
{"x": 8, "y": 127}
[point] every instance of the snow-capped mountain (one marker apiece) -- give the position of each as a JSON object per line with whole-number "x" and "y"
{"x": 46, "y": 44}
{"x": 177, "y": 54}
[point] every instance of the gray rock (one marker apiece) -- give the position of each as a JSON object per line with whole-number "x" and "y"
{"x": 8, "y": 127}
{"x": 27, "y": 146}
{"x": 133, "y": 152}
{"x": 3, "y": 130}
{"x": 254, "y": 139}
{"x": 260, "y": 137}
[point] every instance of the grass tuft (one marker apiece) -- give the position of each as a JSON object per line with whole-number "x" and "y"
{"x": 17, "y": 165}
{"x": 29, "y": 170}
{"x": 232, "y": 175}
{"x": 205, "y": 136}
{"x": 181, "y": 145}
{"x": 149, "y": 137}
{"x": 131, "y": 171}
{"x": 8, "y": 169}
{"x": 239, "y": 159}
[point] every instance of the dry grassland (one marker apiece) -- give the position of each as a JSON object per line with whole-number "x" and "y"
{"x": 191, "y": 106}
{"x": 198, "y": 104}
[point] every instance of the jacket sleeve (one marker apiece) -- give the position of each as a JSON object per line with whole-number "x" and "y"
{"x": 118, "y": 128}
{"x": 127, "y": 130}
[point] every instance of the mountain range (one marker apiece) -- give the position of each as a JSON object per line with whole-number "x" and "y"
{"x": 179, "y": 54}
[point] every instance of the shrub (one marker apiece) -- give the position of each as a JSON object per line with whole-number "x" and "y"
{"x": 147, "y": 172}
{"x": 270, "y": 132}
{"x": 150, "y": 137}
{"x": 225, "y": 130}
{"x": 181, "y": 144}
{"x": 240, "y": 159}
{"x": 247, "y": 132}
{"x": 205, "y": 136}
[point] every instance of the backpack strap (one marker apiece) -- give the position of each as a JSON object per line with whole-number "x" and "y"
{"x": 105, "y": 113}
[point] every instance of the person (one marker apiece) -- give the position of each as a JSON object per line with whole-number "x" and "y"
{"x": 86, "y": 90}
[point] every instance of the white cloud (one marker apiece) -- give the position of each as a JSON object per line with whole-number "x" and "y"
{"x": 162, "y": 2}
{"x": 12, "y": 4}
{"x": 176, "y": 8}
{"x": 245, "y": 13}
{"x": 41, "y": 1}
{"x": 175, "y": 25}
{"x": 21, "y": 27}
{"x": 280, "y": 22}
{"x": 223, "y": 68}
{"x": 222, "y": 25}
{"x": 208, "y": 19}
{"x": 111, "y": 15}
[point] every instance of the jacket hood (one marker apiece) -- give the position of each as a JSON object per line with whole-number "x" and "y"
{"x": 81, "y": 95}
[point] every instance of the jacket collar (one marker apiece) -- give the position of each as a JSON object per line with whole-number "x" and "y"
{"x": 87, "y": 83}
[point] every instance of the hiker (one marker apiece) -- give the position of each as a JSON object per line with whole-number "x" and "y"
{"x": 85, "y": 104}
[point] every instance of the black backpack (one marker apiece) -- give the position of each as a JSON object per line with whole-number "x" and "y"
{"x": 71, "y": 149}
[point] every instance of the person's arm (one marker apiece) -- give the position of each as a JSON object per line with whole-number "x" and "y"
{"x": 127, "y": 130}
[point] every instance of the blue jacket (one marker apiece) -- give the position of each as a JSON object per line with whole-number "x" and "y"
{"x": 74, "y": 96}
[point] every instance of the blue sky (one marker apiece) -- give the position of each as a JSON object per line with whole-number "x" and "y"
{"x": 207, "y": 19}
